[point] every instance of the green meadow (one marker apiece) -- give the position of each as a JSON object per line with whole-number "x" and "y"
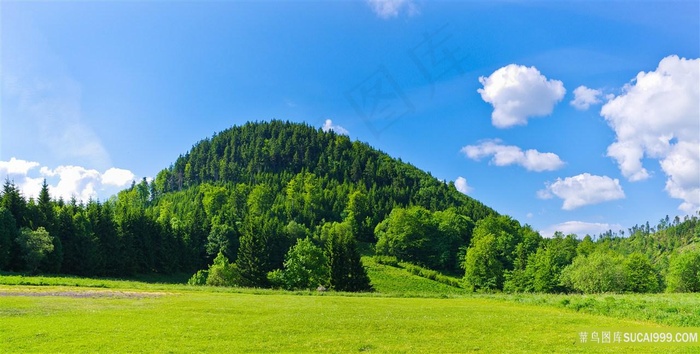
{"x": 406, "y": 313}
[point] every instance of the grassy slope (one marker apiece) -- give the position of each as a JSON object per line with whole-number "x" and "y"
{"x": 398, "y": 282}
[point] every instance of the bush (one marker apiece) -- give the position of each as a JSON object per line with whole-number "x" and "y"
{"x": 431, "y": 274}
{"x": 597, "y": 273}
{"x": 35, "y": 245}
{"x": 387, "y": 260}
{"x": 199, "y": 278}
{"x": 221, "y": 273}
{"x": 305, "y": 267}
{"x": 684, "y": 273}
{"x": 640, "y": 274}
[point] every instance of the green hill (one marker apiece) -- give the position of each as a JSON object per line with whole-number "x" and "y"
{"x": 274, "y": 153}
{"x": 250, "y": 193}
{"x": 285, "y": 205}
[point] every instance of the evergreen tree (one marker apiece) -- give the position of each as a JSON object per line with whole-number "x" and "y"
{"x": 8, "y": 234}
{"x": 254, "y": 259}
{"x": 13, "y": 201}
{"x": 346, "y": 270}
{"x": 46, "y": 208}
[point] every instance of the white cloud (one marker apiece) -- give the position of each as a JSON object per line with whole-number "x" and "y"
{"x": 328, "y": 125}
{"x": 65, "y": 181}
{"x": 579, "y": 228}
{"x": 16, "y": 167}
{"x": 504, "y": 155}
{"x": 583, "y": 189}
{"x": 31, "y": 187}
{"x": 658, "y": 116}
{"x": 584, "y": 97}
{"x": 392, "y": 8}
{"x": 682, "y": 166}
{"x": 462, "y": 186}
{"x": 75, "y": 181}
{"x": 117, "y": 177}
{"x": 517, "y": 92}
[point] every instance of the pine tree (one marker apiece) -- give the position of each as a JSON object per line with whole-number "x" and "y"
{"x": 47, "y": 219}
{"x": 346, "y": 270}
{"x": 253, "y": 260}
{"x": 8, "y": 233}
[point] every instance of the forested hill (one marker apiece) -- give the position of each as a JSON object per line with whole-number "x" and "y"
{"x": 274, "y": 153}
{"x": 249, "y": 193}
{"x": 284, "y": 205}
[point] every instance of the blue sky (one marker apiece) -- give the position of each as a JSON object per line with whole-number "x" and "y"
{"x": 578, "y": 116}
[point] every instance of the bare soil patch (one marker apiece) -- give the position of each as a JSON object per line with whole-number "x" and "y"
{"x": 85, "y": 294}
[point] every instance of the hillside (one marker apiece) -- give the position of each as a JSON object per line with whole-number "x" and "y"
{"x": 285, "y": 205}
{"x": 249, "y": 192}
{"x": 274, "y": 153}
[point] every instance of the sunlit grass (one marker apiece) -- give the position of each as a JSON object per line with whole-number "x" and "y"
{"x": 399, "y": 282}
{"x": 205, "y": 321}
{"x": 669, "y": 309}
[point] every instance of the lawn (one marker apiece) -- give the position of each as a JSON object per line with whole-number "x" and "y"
{"x": 176, "y": 319}
{"x": 406, "y": 313}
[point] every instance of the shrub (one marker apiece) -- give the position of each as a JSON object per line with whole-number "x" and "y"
{"x": 199, "y": 278}
{"x": 599, "y": 272}
{"x": 387, "y": 260}
{"x": 684, "y": 272}
{"x": 305, "y": 267}
{"x": 640, "y": 274}
{"x": 221, "y": 273}
{"x": 431, "y": 274}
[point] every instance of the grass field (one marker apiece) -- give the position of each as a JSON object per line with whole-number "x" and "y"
{"x": 407, "y": 313}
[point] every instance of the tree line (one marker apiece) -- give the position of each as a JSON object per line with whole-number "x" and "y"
{"x": 285, "y": 205}
{"x": 642, "y": 262}
{"x": 249, "y": 195}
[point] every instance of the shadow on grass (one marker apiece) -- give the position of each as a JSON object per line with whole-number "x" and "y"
{"x": 66, "y": 279}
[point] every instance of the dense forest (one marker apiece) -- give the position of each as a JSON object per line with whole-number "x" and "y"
{"x": 280, "y": 204}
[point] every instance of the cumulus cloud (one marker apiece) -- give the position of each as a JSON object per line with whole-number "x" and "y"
{"x": 392, "y": 8}
{"x": 584, "y": 97}
{"x": 682, "y": 166}
{"x": 462, "y": 186}
{"x": 504, "y": 155}
{"x": 117, "y": 177}
{"x": 64, "y": 181}
{"x": 16, "y": 167}
{"x": 579, "y": 228}
{"x": 517, "y": 92}
{"x": 657, "y": 116}
{"x": 583, "y": 189}
{"x": 328, "y": 126}
{"x": 75, "y": 181}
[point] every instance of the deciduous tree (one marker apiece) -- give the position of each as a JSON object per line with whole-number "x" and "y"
{"x": 34, "y": 245}
{"x": 305, "y": 267}
{"x": 684, "y": 272}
